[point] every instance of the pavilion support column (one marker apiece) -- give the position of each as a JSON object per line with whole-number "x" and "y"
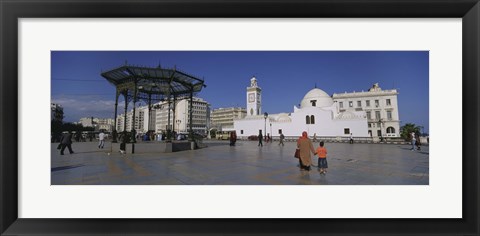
{"x": 114, "y": 132}
{"x": 174, "y": 112}
{"x": 169, "y": 130}
{"x": 125, "y": 138}
{"x": 133, "y": 132}
{"x": 149, "y": 112}
{"x": 190, "y": 131}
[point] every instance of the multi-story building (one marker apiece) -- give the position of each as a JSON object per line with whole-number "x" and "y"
{"x": 56, "y": 112}
{"x": 380, "y": 107}
{"x": 139, "y": 121}
{"x": 157, "y": 117}
{"x": 222, "y": 118}
{"x": 180, "y": 119}
{"x": 86, "y": 121}
{"x": 105, "y": 124}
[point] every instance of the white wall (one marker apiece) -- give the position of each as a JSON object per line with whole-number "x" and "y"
{"x": 324, "y": 125}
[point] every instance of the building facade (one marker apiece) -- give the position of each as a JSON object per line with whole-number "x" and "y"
{"x": 86, "y": 121}
{"x": 158, "y": 117}
{"x": 380, "y": 107}
{"x": 139, "y": 121}
{"x": 105, "y": 124}
{"x": 318, "y": 115}
{"x": 222, "y": 118}
{"x": 200, "y": 116}
{"x": 56, "y": 112}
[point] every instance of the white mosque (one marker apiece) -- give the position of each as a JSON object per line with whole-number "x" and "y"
{"x": 318, "y": 114}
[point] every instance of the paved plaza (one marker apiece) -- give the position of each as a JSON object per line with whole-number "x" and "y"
{"x": 243, "y": 164}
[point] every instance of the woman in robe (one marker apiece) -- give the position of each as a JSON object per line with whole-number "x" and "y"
{"x": 306, "y": 149}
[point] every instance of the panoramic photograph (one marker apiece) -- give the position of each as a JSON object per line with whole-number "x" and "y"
{"x": 239, "y": 118}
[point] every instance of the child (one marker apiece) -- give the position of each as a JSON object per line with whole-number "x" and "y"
{"x": 322, "y": 159}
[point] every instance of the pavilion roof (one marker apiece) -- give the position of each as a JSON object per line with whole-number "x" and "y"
{"x": 155, "y": 80}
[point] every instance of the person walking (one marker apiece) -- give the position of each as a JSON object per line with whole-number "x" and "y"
{"x": 314, "y": 137}
{"x": 282, "y": 137}
{"x": 233, "y": 138}
{"x": 260, "y": 138}
{"x": 351, "y": 138}
{"x": 306, "y": 148}
{"x": 322, "y": 158}
{"x": 101, "y": 138}
{"x": 412, "y": 135}
{"x": 123, "y": 143}
{"x": 66, "y": 141}
{"x": 417, "y": 142}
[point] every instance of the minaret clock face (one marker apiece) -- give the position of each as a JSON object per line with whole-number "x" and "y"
{"x": 251, "y": 97}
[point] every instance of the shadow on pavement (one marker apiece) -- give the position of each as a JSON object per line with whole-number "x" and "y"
{"x": 66, "y": 167}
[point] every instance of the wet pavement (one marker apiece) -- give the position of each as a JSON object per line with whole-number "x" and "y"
{"x": 243, "y": 164}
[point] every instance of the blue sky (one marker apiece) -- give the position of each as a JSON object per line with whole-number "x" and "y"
{"x": 284, "y": 76}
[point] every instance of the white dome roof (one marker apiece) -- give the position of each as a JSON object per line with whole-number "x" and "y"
{"x": 321, "y": 98}
{"x": 283, "y": 117}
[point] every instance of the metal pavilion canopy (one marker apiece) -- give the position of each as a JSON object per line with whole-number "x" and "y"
{"x": 152, "y": 84}
{"x": 159, "y": 82}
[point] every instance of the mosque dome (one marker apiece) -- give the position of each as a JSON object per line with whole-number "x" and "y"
{"x": 283, "y": 117}
{"x": 316, "y": 98}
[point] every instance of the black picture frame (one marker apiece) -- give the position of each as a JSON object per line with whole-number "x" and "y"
{"x": 11, "y": 11}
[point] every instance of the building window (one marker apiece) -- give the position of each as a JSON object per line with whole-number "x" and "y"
{"x": 367, "y": 103}
{"x": 346, "y": 131}
{"x": 359, "y": 103}
{"x": 341, "y": 104}
{"x": 369, "y": 115}
{"x": 314, "y": 102}
{"x": 389, "y": 115}
{"x": 377, "y": 103}
{"x": 377, "y": 115}
{"x": 312, "y": 119}
{"x": 280, "y": 131}
{"x": 389, "y": 102}
{"x": 307, "y": 120}
{"x": 369, "y": 125}
{"x": 350, "y": 104}
{"x": 390, "y": 130}
{"x": 241, "y": 131}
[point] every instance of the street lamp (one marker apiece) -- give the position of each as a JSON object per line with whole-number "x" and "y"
{"x": 265, "y": 116}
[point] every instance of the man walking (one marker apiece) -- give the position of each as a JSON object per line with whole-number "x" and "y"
{"x": 412, "y": 135}
{"x": 66, "y": 141}
{"x": 260, "y": 138}
{"x": 282, "y": 137}
{"x": 101, "y": 138}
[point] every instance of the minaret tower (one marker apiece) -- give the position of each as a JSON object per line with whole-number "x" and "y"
{"x": 254, "y": 98}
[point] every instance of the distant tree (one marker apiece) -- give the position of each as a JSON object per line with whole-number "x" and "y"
{"x": 213, "y": 133}
{"x": 407, "y": 129}
{"x": 88, "y": 128}
{"x": 56, "y": 130}
{"x": 72, "y": 127}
